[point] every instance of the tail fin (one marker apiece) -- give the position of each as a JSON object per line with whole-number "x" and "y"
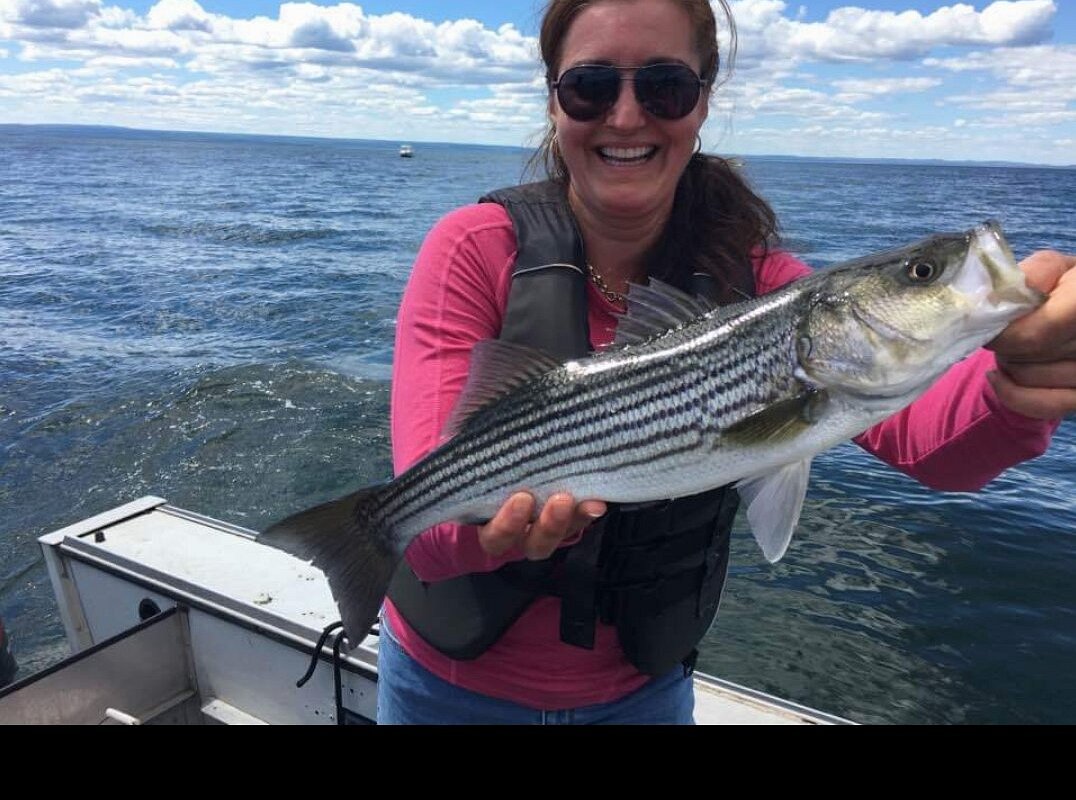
{"x": 352, "y": 546}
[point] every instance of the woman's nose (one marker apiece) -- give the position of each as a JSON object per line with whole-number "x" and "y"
{"x": 626, "y": 113}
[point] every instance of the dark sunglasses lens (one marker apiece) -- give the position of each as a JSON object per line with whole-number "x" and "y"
{"x": 669, "y": 91}
{"x": 588, "y": 92}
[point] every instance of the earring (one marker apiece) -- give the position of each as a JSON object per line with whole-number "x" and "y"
{"x": 698, "y": 144}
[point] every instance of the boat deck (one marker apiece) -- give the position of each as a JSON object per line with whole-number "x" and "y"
{"x": 251, "y": 616}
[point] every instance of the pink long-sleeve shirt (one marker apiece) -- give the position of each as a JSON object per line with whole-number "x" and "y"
{"x": 957, "y": 436}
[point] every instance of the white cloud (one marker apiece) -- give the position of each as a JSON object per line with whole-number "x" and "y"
{"x": 320, "y": 35}
{"x": 858, "y": 90}
{"x": 1021, "y": 90}
{"x": 49, "y": 13}
{"x": 114, "y": 63}
{"x": 856, "y": 34}
{"x": 343, "y": 34}
{"x": 179, "y": 15}
{"x": 878, "y": 86}
{"x": 339, "y": 70}
{"x": 1031, "y": 67}
{"x": 768, "y": 35}
{"x": 510, "y": 107}
{"x": 798, "y": 102}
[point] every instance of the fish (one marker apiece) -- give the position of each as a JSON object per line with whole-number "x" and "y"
{"x": 688, "y": 397}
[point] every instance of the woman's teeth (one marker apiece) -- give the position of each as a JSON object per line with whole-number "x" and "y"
{"x": 626, "y": 155}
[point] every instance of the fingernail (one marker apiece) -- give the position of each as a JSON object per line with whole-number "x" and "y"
{"x": 520, "y": 507}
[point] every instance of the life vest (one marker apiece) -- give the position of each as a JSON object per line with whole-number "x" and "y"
{"x": 656, "y": 571}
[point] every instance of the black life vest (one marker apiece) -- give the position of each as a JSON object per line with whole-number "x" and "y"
{"x": 656, "y": 571}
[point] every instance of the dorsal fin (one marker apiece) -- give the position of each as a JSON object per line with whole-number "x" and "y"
{"x": 655, "y": 309}
{"x": 496, "y": 368}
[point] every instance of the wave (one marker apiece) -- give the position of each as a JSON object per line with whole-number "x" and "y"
{"x": 244, "y": 233}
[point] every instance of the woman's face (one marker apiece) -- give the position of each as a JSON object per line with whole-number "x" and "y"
{"x": 626, "y": 163}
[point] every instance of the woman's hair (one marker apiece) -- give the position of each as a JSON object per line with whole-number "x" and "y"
{"x": 718, "y": 223}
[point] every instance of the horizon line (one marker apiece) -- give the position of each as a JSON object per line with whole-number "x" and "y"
{"x": 925, "y": 161}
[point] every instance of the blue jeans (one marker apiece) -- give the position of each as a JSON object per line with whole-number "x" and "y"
{"x": 409, "y": 694}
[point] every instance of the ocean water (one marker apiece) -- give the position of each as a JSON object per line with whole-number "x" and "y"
{"x": 210, "y": 319}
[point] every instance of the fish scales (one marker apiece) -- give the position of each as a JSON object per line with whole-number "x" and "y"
{"x": 648, "y": 414}
{"x": 642, "y": 439}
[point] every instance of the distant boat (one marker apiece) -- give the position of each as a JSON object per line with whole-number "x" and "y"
{"x": 406, "y": 151}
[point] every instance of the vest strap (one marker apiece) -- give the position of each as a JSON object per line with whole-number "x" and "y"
{"x": 578, "y": 594}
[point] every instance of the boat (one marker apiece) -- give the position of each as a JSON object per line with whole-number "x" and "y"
{"x": 406, "y": 151}
{"x": 173, "y": 617}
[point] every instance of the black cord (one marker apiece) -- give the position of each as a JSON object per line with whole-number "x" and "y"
{"x": 338, "y": 689}
{"x": 336, "y": 679}
{"x": 317, "y": 651}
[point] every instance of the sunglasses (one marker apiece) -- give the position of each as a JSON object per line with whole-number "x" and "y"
{"x": 668, "y": 91}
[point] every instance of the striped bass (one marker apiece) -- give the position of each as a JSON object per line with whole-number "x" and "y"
{"x": 689, "y": 398}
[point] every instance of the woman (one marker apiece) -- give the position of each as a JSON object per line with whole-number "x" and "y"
{"x": 556, "y": 619}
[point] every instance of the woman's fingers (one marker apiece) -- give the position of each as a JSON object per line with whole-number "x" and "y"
{"x": 1051, "y": 402}
{"x": 514, "y": 524}
{"x": 1048, "y": 332}
{"x": 508, "y": 526}
{"x": 554, "y": 524}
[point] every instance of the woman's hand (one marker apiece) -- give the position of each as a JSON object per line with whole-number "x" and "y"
{"x": 561, "y": 517}
{"x": 1036, "y": 354}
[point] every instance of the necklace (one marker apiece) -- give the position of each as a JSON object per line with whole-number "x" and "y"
{"x": 616, "y": 298}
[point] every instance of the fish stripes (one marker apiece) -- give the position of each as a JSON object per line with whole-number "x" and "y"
{"x": 574, "y": 424}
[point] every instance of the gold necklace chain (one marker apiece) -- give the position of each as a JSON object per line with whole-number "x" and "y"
{"x": 617, "y": 298}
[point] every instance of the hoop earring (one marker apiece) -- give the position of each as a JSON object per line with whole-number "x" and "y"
{"x": 555, "y": 166}
{"x": 698, "y": 144}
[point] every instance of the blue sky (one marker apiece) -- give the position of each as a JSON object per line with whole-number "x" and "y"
{"x": 900, "y": 78}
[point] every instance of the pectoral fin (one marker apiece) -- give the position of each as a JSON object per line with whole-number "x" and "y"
{"x": 774, "y": 502}
{"x": 782, "y": 420}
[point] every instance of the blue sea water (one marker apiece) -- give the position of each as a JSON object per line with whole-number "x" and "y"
{"x": 210, "y": 319}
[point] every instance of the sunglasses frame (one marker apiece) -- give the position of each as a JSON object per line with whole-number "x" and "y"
{"x": 555, "y": 86}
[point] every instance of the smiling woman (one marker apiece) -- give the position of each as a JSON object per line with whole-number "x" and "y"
{"x": 629, "y": 196}
{"x": 625, "y": 161}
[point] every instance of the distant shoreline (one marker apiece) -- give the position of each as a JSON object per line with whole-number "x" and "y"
{"x": 135, "y": 133}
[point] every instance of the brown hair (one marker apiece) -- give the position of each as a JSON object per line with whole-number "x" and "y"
{"x": 717, "y": 222}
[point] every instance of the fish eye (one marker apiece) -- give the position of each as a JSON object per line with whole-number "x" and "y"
{"x": 921, "y": 271}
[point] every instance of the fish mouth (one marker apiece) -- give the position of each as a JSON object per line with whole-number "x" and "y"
{"x": 1017, "y": 295}
{"x": 1008, "y": 286}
